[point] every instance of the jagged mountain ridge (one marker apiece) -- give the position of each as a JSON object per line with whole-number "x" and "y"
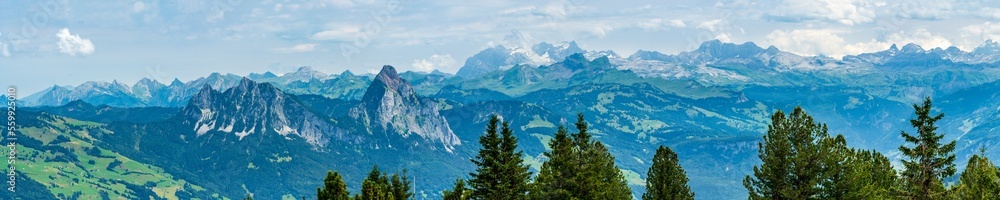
{"x": 259, "y": 108}
{"x": 390, "y": 109}
{"x": 151, "y": 93}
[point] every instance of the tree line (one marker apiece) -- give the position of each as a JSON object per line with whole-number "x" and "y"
{"x": 800, "y": 160}
{"x": 578, "y": 167}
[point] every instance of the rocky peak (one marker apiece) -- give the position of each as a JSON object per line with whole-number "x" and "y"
{"x": 176, "y": 83}
{"x": 912, "y": 48}
{"x": 892, "y": 49}
{"x": 988, "y": 47}
{"x": 346, "y": 74}
{"x": 388, "y": 81}
{"x": 390, "y": 105}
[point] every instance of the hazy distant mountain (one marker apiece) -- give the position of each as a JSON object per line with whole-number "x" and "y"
{"x": 303, "y": 74}
{"x": 710, "y": 104}
{"x": 516, "y": 51}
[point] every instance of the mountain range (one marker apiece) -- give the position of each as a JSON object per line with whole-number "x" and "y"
{"x": 223, "y": 133}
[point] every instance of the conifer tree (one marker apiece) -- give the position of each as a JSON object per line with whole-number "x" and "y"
{"x": 373, "y": 190}
{"x": 836, "y": 167}
{"x": 333, "y": 188}
{"x": 553, "y": 180}
{"x": 870, "y": 176}
{"x": 500, "y": 173}
{"x": 400, "y": 185}
{"x": 459, "y": 192}
{"x": 610, "y": 182}
{"x": 666, "y": 179}
{"x": 979, "y": 181}
{"x": 929, "y": 160}
{"x": 792, "y": 154}
{"x": 597, "y": 175}
{"x": 579, "y": 168}
{"x": 379, "y": 185}
{"x": 485, "y": 180}
{"x": 512, "y": 168}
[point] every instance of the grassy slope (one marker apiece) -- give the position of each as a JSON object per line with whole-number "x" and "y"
{"x": 58, "y": 153}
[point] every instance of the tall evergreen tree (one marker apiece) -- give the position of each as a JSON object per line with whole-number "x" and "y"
{"x": 870, "y": 176}
{"x": 579, "y": 168}
{"x": 486, "y": 178}
{"x": 597, "y": 176}
{"x": 666, "y": 179}
{"x": 333, "y": 188}
{"x": 500, "y": 172}
{"x": 836, "y": 167}
{"x": 792, "y": 154}
{"x": 379, "y": 185}
{"x": 373, "y": 190}
{"x": 610, "y": 182}
{"x": 400, "y": 185}
{"x": 553, "y": 180}
{"x": 512, "y": 168}
{"x": 459, "y": 192}
{"x": 979, "y": 181}
{"x": 929, "y": 161}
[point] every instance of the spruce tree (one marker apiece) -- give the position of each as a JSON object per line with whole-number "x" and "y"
{"x": 836, "y": 167}
{"x": 929, "y": 161}
{"x": 373, "y": 190}
{"x": 598, "y": 177}
{"x": 486, "y": 178}
{"x": 400, "y": 185}
{"x": 792, "y": 153}
{"x": 666, "y": 179}
{"x": 870, "y": 176}
{"x": 579, "y": 168}
{"x": 333, "y": 188}
{"x": 500, "y": 172}
{"x": 459, "y": 192}
{"x": 979, "y": 181}
{"x": 553, "y": 180}
{"x": 379, "y": 185}
{"x": 512, "y": 168}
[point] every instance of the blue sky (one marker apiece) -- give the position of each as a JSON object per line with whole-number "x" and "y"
{"x": 68, "y": 42}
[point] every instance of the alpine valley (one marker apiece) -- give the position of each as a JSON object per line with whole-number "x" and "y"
{"x": 224, "y": 135}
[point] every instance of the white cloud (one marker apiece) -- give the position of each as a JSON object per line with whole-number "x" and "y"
{"x": 717, "y": 27}
{"x": 346, "y": 33}
{"x": 848, "y": 12}
{"x": 300, "y": 48}
{"x": 974, "y": 35}
{"x": 436, "y": 61}
{"x": 72, "y": 45}
{"x": 342, "y": 3}
{"x": 138, "y": 6}
{"x": 661, "y": 24}
{"x": 829, "y": 42}
{"x": 990, "y": 13}
{"x": 4, "y": 50}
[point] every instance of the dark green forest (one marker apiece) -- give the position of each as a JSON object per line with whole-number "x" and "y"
{"x": 800, "y": 160}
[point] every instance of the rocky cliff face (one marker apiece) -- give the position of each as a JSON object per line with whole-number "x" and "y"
{"x": 258, "y": 108}
{"x": 390, "y": 104}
